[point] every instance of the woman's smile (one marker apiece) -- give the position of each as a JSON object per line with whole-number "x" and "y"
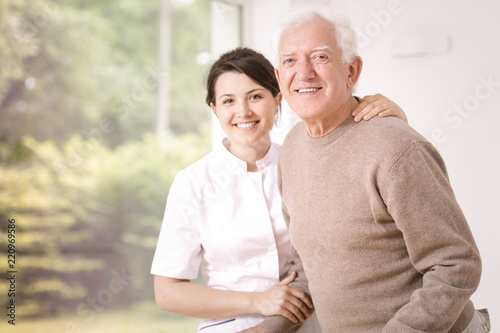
{"x": 246, "y": 125}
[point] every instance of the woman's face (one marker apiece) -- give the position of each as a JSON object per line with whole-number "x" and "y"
{"x": 245, "y": 109}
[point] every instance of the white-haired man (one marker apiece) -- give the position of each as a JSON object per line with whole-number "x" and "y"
{"x": 383, "y": 242}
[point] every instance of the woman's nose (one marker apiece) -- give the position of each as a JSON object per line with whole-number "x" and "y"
{"x": 244, "y": 109}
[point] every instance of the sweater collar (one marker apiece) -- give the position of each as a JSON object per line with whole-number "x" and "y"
{"x": 332, "y": 136}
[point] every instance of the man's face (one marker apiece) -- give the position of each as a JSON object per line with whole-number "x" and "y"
{"x": 312, "y": 76}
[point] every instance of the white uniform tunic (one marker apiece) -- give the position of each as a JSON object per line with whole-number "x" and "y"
{"x": 229, "y": 222}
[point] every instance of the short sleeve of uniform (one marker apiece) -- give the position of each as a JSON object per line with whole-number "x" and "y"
{"x": 178, "y": 252}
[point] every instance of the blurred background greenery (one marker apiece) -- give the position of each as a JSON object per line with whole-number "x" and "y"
{"x": 81, "y": 169}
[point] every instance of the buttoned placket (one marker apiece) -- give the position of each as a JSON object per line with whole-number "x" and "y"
{"x": 271, "y": 259}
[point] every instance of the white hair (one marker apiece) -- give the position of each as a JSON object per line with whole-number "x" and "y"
{"x": 306, "y": 13}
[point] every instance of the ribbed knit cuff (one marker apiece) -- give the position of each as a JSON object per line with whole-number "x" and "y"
{"x": 279, "y": 324}
{"x": 460, "y": 324}
{"x": 464, "y": 319}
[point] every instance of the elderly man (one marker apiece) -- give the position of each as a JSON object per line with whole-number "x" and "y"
{"x": 383, "y": 243}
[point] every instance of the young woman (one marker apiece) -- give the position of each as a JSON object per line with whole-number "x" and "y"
{"x": 223, "y": 212}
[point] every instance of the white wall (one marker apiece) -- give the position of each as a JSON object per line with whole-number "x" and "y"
{"x": 435, "y": 59}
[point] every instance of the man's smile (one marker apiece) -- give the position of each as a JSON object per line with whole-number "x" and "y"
{"x": 307, "y": 90}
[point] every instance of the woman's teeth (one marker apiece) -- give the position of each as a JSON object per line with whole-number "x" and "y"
{"x": 246, "y": 125}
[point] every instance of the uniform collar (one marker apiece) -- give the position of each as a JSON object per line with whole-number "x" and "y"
{"x": 268, "y": 160}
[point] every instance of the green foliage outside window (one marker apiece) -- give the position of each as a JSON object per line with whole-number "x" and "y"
{"x": 80, "y": 170}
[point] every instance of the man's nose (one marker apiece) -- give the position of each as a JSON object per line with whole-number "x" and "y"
{"x": 305, "y": 70}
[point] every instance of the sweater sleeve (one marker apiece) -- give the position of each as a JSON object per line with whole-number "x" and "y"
{"x": 280, "y": 324}
{"x": 438, "y": 239}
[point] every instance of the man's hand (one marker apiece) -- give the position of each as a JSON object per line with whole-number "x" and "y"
{"x": 255, "y": 329}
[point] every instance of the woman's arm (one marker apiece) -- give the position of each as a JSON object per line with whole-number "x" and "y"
{"x": 191, "y": 299}
{"x": 373, "y": 105}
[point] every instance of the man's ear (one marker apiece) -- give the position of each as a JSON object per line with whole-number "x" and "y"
{"x": 354, "y": 71}
{"x": 279, "y": 97}
{"x": 277, "y": 74}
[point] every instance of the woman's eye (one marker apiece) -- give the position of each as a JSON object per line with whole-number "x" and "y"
{"x": 255, "y": 97}
{"x": 227, "y": 101}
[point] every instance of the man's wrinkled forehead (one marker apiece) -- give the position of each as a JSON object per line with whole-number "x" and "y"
{"x": 299, "y": 38}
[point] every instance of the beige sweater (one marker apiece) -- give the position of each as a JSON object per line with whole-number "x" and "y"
{"x": 384, "y": 244}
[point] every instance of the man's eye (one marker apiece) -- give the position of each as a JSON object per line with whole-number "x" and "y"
{"x": 287, "y": 61}
{"x": 320, "y": 57}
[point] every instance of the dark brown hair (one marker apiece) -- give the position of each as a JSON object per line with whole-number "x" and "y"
{"x": 246, "y": 61}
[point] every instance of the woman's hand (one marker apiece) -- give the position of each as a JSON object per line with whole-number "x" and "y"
{"x": 373, "y": 105}
{"x": 283, "y": 300}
